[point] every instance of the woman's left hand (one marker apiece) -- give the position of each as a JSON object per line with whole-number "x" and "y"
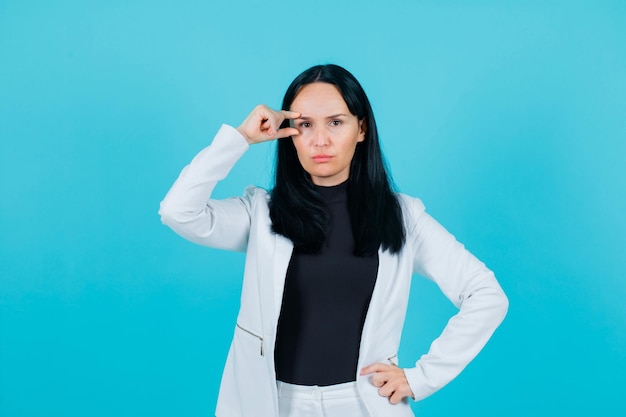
{"x": 390, "y": 380}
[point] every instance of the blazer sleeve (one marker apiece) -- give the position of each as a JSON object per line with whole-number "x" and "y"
{"x": 470, "y": 286}
{"x": 188, "y": 208}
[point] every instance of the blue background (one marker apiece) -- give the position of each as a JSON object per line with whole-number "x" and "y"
{"x": 506, "y": 117}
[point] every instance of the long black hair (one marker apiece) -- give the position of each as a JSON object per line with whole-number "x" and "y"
{"x": 297, "y": 210}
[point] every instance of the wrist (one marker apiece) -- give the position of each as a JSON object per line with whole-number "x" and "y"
{"x": 245, "y": 136}
{"x": 243, "y": 133}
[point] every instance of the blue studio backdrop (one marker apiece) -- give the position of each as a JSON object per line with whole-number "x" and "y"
{"x": 507, "y": 118}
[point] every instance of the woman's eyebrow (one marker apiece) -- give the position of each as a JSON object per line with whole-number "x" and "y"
{"x": 333, "y": 116}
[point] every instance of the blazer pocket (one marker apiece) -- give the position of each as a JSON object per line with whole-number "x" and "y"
{"x": 253, "y": 334}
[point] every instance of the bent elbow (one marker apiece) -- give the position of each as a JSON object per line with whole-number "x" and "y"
{"x": 169, "y": 215}
{"x": 502, "y": 305}
{"x": 165, "y": 213}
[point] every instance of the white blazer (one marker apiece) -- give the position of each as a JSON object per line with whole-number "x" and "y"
{"x": 248, "y": 386}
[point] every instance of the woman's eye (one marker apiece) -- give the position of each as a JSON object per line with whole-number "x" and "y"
{"x": 335, "y": 123}
{"x": 305, "y": 124}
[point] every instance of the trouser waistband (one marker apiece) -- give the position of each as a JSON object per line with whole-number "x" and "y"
{"x": 344, "y": 390}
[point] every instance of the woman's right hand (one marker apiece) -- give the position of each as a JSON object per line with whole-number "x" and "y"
{"x": 263, "y": 124}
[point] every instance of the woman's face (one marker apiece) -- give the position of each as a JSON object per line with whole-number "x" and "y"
{"x": 328, "y": 133}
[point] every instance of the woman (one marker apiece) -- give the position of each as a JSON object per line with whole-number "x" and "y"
{"x": 330, "y": 253}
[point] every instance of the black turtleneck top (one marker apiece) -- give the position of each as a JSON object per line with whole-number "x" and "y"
{"x": 325, "y": 301}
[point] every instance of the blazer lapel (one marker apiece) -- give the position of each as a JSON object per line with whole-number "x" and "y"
{"x": 283, "y": 249}
{"x": 385, "y": 262}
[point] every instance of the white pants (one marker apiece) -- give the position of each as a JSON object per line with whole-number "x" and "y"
{"x": 341, "y": 400}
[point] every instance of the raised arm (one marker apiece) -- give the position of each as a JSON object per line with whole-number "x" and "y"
{"x": 188, "y": 208}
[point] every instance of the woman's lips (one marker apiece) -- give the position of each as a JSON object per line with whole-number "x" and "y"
{"x": 321, "y": 158}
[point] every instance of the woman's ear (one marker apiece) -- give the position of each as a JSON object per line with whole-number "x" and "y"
{"x": 362, "y": 130}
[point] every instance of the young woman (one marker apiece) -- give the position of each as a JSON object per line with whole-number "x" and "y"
{"x": 330, "y": 252}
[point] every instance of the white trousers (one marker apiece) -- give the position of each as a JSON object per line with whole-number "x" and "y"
{"x": 341, "y": 400}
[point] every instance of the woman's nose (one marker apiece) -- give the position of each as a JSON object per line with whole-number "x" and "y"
{"x": 320, "y": 138}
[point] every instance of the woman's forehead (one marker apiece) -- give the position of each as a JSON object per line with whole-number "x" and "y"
{"x": 319, "y": 100}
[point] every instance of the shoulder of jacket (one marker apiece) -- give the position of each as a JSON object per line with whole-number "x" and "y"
{"x": 256, "y": 194}
{"x": 412, "y": 209}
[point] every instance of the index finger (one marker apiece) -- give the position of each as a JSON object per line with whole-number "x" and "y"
{"x": 375, "y": 367}
{"x": 288, "y": 114}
